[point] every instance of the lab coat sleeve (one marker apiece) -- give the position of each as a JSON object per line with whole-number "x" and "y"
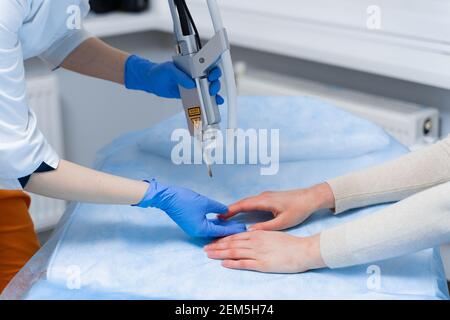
{"x": 67, "y": 40}
{"x": 63, "y": 47}
{"x": 23, "y": 147}
{"x": 419, "y": 222}
{"x": 395, "y": 180}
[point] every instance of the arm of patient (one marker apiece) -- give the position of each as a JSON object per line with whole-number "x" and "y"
{"x": 419, "y": 222}
{"x": 395, "y": 180}
{"x": 390, "y": 182}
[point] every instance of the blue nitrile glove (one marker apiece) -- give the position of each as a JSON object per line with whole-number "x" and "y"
{"x": 189, "y": 209}
{"x": 163, "y": 79}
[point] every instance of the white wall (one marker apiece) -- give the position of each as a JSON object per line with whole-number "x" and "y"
{"x": 411, "y": 44}
{"x": 427, "y": 19}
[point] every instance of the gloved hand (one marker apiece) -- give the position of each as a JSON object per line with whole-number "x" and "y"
{"x": 189, "y": 209}
{"x": 163, "y": 79}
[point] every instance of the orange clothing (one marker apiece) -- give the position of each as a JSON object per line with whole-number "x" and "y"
{"x": 18, "y": 240}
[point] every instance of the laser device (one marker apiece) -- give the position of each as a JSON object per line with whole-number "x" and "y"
{"x": 197, "y": 59}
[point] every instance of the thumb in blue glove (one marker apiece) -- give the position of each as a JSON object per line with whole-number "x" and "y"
{"x": 188, "y": 209}
{"x": 164, "y": 79}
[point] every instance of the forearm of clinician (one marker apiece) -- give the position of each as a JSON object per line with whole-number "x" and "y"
{"x": 97, "y": 59}
{"x": 72, "y": 182}
{"x": 395, "y": 180}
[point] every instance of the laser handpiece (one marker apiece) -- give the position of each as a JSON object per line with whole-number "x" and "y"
{"x": 202, "y": 111}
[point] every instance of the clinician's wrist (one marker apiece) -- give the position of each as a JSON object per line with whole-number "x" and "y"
{"x": 152, "y": 196}
{"x": 149, "y": 196}
{"x": 134, "y": 71}
{"x": 141, "y": 192}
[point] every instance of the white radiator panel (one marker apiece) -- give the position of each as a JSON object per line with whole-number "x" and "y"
{"x": 43, "y": 99}
{"x": 411, "y": 124}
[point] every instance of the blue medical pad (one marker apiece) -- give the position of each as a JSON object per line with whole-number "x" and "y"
{"x": 124, "y": 252}
{"x": 295, "y": 117}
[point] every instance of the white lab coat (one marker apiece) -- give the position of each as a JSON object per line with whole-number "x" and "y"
{"x": 30, "y": 28}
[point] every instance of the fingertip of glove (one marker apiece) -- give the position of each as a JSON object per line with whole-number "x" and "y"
{"x": 214, "y": 88}
{"x": 215, "y": 74}
{"x": 220, "y": 100}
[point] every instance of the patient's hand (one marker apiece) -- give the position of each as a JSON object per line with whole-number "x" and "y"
{"x": 267, "y": 251}
{"x": 289, "y": 208}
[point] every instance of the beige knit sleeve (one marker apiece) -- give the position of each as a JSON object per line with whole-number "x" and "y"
{"x": 422, "y": 221}
{"x": 395, "y": 180}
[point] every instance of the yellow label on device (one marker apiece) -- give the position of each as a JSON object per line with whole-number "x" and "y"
{"x": 194, "y": 112}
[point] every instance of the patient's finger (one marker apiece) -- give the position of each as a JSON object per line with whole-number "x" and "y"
{"x": 239, "y": 236}
{"x": 246, "y": 205}
{"x": 243, "y": 265}
{"x": 276, "y": 224}
{"x": 237, "y": 244}
{"x": 233, "y": 254}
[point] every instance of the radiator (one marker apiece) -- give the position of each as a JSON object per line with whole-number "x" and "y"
{"x": 43, "y": 99}
{"x": 413, "y": 125}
